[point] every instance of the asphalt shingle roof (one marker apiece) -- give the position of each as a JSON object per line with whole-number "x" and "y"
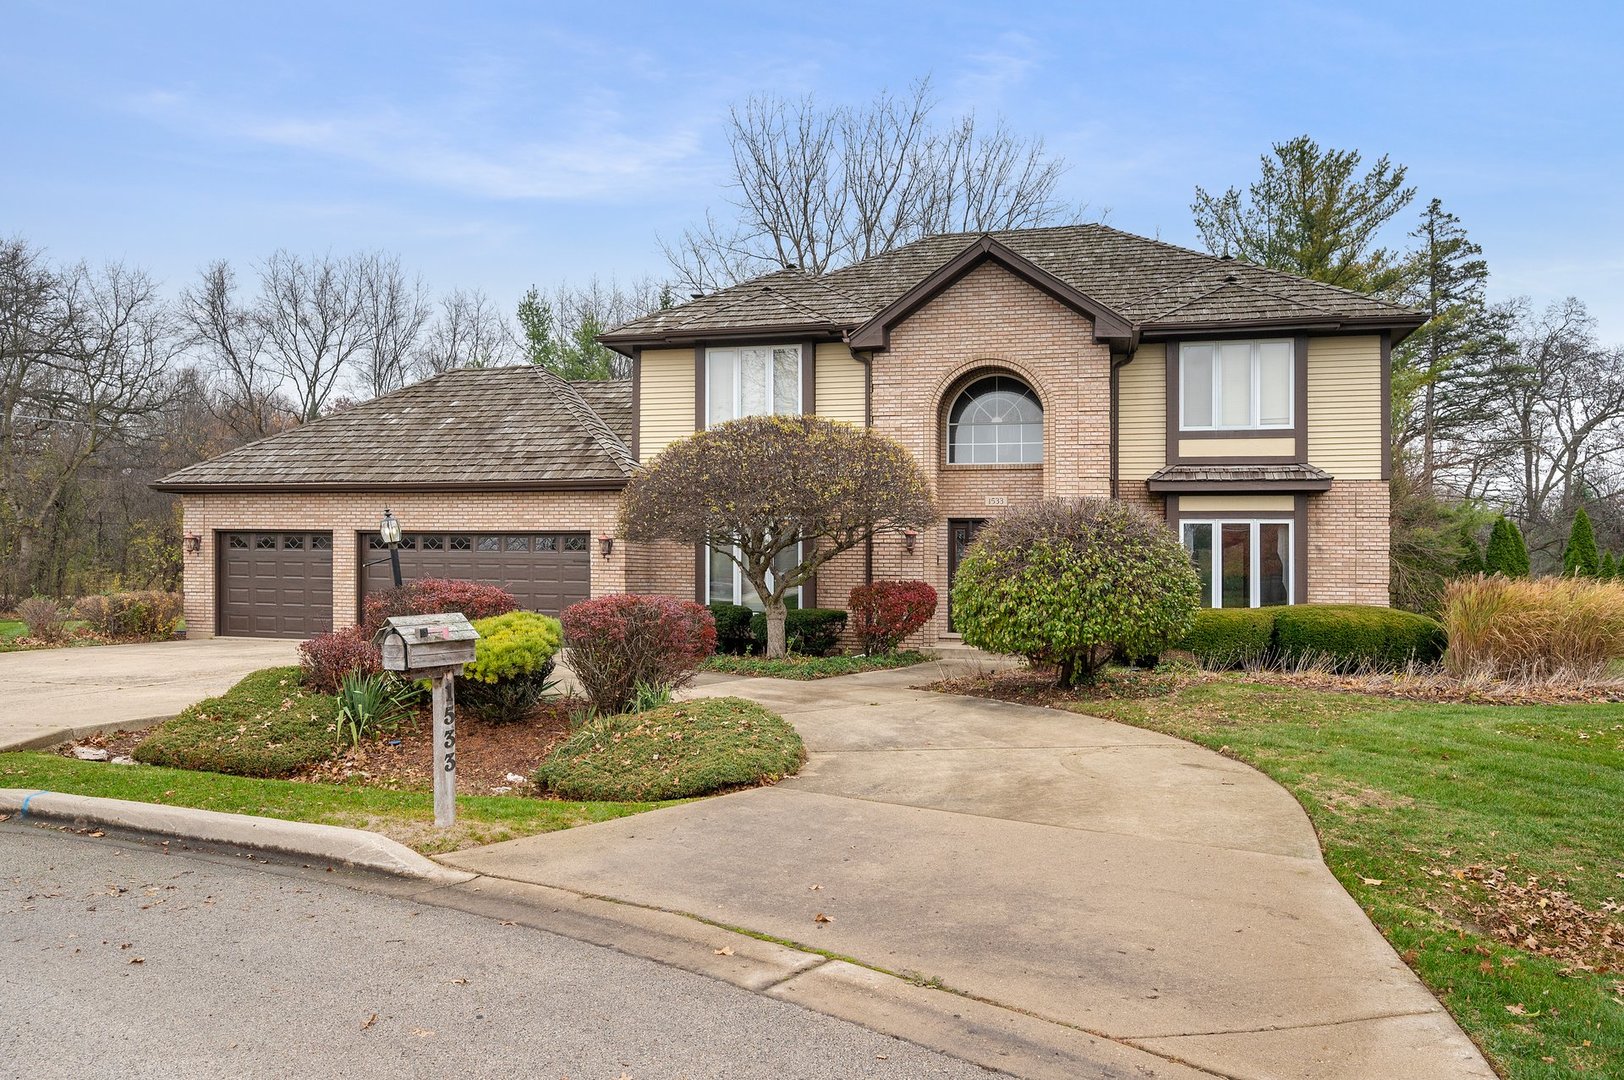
{"x": 510, "y": 426}
{"x": 1148, "y": 282}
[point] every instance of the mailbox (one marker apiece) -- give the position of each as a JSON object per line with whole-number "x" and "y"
{"x": 426, "y": 643}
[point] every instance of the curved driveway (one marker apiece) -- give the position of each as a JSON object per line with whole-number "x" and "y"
{"x": 1166, "y": 901}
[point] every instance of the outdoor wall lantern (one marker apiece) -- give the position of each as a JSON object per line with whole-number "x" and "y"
{"x": 606, "y": 544}
{"x": 389, "y": 529}
{"x": 194, "y": 543}
{"x": 909, "y": 538}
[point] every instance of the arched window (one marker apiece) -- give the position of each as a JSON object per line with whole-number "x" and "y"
{"x": 997, "y": 420}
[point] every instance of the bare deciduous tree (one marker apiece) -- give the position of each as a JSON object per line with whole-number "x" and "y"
{"x": 470, "y": 331}
{"x": 230, "y": 341}
{"x": 312, "y": 313}
{"x": 395, "y": 308}
{"x": 818, "y": 187}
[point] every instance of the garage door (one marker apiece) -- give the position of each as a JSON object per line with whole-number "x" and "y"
{"x": 545, "y": 572}
{"x": 276, "y": 584}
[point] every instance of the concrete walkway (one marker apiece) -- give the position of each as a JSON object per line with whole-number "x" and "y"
{"x": 48, "y": 696}
{"x": 1168, "y": 901}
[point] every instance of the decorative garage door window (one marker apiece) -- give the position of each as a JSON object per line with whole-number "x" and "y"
{"x": 545, "y": 572}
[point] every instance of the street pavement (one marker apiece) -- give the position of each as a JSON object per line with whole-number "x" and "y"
{"x": 52, "y": 695}
{"x": 119, "y": 960}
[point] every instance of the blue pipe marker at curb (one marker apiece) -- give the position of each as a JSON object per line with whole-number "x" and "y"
{"x": 23, "y": 812}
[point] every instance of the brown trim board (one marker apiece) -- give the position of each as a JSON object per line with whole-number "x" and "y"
{"x": 1387, "y": 405}
{"x": 1299, "y": 532}
{"x": 636, "y": 441}
{"x": 1298, "y": 431}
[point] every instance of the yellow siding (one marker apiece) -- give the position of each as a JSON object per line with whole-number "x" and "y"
{"x": 665, "y": 399}
{"x": 1216, "y": 448}
{"x": 1193, "y": 504}
{"x": 1142, "y": 413}
{"x": 1345, "y": 406}
{"x": 840, "y": 384}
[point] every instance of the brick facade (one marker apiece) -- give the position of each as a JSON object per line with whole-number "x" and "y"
{"x": 351, "y": 514}
{"x": 1348, "y": 537}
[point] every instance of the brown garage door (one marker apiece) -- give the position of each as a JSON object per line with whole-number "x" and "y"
{"x": 544, "y": 571}
{"x": 276, "y": 584}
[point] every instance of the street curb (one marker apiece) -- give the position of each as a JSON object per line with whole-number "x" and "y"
{"x": 354, "y": 848}
{"x": 58, "y": 736}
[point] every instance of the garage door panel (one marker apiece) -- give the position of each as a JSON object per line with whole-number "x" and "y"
{"x": 545, "y": 571}
{"x": 275, "y": 584}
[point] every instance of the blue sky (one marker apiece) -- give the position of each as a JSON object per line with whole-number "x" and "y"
{"x": 496, "y": 144}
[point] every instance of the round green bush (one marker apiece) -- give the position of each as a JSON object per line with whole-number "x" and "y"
{"x": 1353, "y": 636}
{"x": 513, "y": 660}
{"x": 1228, "y": 637}
{"x": 673, "y": 752}
{"x": 268, "y": 725}
{"x": 1068, "y": 583}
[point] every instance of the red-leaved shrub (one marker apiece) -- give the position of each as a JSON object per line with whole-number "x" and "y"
{"x": 431, "y": 596}
{"x": 615, "y": 644}
{"x": 886, "y": 612}
{"x": 325, "y": 659}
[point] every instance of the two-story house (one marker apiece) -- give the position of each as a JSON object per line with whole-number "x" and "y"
{"x": 1248, "y": 407}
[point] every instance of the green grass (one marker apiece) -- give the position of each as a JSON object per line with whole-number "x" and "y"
{"x": 673, "y": 751}
{"x": 404, "y": 816}
{"x": 13, "y": 629}
{"x": 1406, "y": 795}
{"x": 267, "y": 726}
{"x": 809, "y": 667}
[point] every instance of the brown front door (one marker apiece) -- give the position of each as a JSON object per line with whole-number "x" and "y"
{"x": 961, "y": 533}
{"x": 275, "y": 584}
{"x": 545, "y": 572}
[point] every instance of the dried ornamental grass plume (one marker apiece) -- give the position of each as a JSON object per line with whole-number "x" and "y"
{"x": 1515, "y": 628}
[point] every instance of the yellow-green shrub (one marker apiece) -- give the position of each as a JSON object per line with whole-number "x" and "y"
{"x": 1518, "y": 628}
{"x": 513, "y": 659}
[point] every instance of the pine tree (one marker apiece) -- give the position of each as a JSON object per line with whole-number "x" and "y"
{"x": 1471, "y": 555}
{"x": 1506, "y": 553}
{"x": 1580, "y": 558}
{"x": 1609, "y": 568}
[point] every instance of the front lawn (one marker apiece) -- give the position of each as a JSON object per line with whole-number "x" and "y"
{"x": 1485, "y": 841}
{"x": 809, "y": 667}
{"x": 406, "y": 816}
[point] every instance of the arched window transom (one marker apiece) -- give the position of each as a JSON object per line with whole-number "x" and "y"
{"x": 997, "y": 420}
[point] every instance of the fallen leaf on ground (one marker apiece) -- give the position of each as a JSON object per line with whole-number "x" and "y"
{"x": 369, "y": 1021}
{"x": 725, "y": 950}
{"x": 422, "y": 1033}
{"x": 138, "y": 959}
{"x": 1371, "y": 880}
{"x": 820, "y": 917}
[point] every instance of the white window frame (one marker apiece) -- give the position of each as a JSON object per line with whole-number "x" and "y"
{"x": 1257, "y": 386}
{"x": 1255, "y": 547}
{"x": 735, "y": 391}
{"x": 796, "y": 594}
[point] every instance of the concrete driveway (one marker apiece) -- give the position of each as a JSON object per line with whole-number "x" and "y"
{"x": 52, "y": 695}
{"x": 1165, "y": 900}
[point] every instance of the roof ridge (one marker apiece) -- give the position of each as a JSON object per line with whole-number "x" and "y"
{"x": 588, "y": 417}
{"x": 1190, "y": 300}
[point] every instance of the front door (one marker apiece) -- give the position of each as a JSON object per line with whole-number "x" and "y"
{"x": 961, "y": 533}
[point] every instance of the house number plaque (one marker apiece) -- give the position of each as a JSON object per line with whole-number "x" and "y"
{"x": 997, "y": 500}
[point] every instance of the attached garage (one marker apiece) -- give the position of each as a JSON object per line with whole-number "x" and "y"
{"x": 275, "y": 584}
{"x": 500, "y": 475}
{"x": 545, "y": 572}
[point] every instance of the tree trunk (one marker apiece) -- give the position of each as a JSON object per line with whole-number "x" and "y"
{"x": 776, "y": 614}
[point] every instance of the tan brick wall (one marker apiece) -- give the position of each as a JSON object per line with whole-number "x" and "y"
{"x": 350, "y": 513}
{"x": 663, "y": 568}
{"x": 990, "y": 321}
{"x": 1348, "y": 536}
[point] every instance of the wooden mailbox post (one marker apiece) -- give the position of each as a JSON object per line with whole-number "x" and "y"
{"x": 434, "y": 647}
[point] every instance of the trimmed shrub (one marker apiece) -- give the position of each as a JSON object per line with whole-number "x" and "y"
{"x": 812, "y": 631}
{"x": 267, "y": 725}
{"x": 1609, "y": 568}
{"x": 44, "y": 619}
{"x": 513, "y": 663}
{"x": 1580, "y": 557}
{"x": 733, "y": 634}
{"x": 1506, "y": 553}
{"x": 615, "y": 643}
{"x": 327, "y": 659}
{"x": 1355, "y": 636}
{"x": 1230, "y": 637}
{"x": 885, "y": 613}
{"x": 1067, "y": 583}
{"x": 431, "y": 596}
{"x": 145, "y": 616}
{"x": 674, "y": 751}
{"x": 1520, "y": 629}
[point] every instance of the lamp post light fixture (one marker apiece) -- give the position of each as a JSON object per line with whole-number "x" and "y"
{"x": 194, "y": 543}
{"x": 910, "y": 537}
{"x": 389, "y": 529}
{"x": 606, "y": 544}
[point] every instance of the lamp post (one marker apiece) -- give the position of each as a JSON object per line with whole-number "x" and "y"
{"x": 389, "y": 529}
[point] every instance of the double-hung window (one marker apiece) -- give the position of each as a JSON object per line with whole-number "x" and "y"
{"x": 726, "y": 583}
{"x": 1236, "y": 385}
{"x": 753, "y": 381}
{"x": 1241, "y": 563}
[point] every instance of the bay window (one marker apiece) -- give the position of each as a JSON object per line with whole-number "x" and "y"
{"x": 1241, "y": 563}
{"x": 726, "y": 584}
{"x": 1236, "y": 385}
{"x": 753, "y": 381}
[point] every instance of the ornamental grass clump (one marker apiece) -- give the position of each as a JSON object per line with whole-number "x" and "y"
{"x": 1516, "y": 628}
{"x": 1068, "y": 583}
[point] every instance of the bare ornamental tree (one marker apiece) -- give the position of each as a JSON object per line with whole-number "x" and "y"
{"x": 313, "y": 314}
